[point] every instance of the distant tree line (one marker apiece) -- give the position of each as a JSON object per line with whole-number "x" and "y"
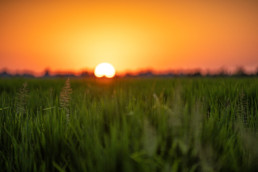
{"x": 240, "y": 72}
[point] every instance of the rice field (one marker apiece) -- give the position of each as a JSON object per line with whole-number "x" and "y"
{"x": 129, "y": 124}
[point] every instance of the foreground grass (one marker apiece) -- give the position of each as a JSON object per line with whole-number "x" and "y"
{"x": 183, "y": 124}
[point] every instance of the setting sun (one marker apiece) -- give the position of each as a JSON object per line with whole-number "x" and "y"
{"x": 104, "y": 70}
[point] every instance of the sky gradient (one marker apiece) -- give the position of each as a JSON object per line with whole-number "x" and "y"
{"x": 158, "y": 35}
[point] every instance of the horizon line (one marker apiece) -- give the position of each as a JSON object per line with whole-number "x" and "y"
{"x": 139, "y": 72}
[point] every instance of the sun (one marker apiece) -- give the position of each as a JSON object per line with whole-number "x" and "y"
{"x": 104, "y": 70}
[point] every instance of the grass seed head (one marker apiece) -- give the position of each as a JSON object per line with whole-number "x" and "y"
{"x": 65, "y": 97}
{"x": 21, "y": 99}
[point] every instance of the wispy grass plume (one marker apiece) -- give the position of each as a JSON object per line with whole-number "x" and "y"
{"x": 242, "y": 107}
{"x": 65, "y": 97}
{"x": 21, "y": 99}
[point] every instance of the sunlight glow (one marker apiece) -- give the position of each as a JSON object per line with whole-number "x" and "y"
{"x": 104, "y": 70}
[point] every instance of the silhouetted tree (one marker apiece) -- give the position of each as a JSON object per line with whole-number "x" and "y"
{"x": 4, "y": 73}
{"x": 222, "y": 72}
{"x": 240, "y": 72}
{"x": 46, "y": 73}
{"x": 86, "y": 74}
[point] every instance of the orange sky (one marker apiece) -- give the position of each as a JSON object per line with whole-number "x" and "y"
{"x": 161, "y": 35}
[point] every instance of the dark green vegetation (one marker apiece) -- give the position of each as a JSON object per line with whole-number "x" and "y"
{"x": 180, "y": 124}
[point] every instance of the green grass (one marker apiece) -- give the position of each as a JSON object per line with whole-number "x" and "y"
{"x": 177, "y": 124}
